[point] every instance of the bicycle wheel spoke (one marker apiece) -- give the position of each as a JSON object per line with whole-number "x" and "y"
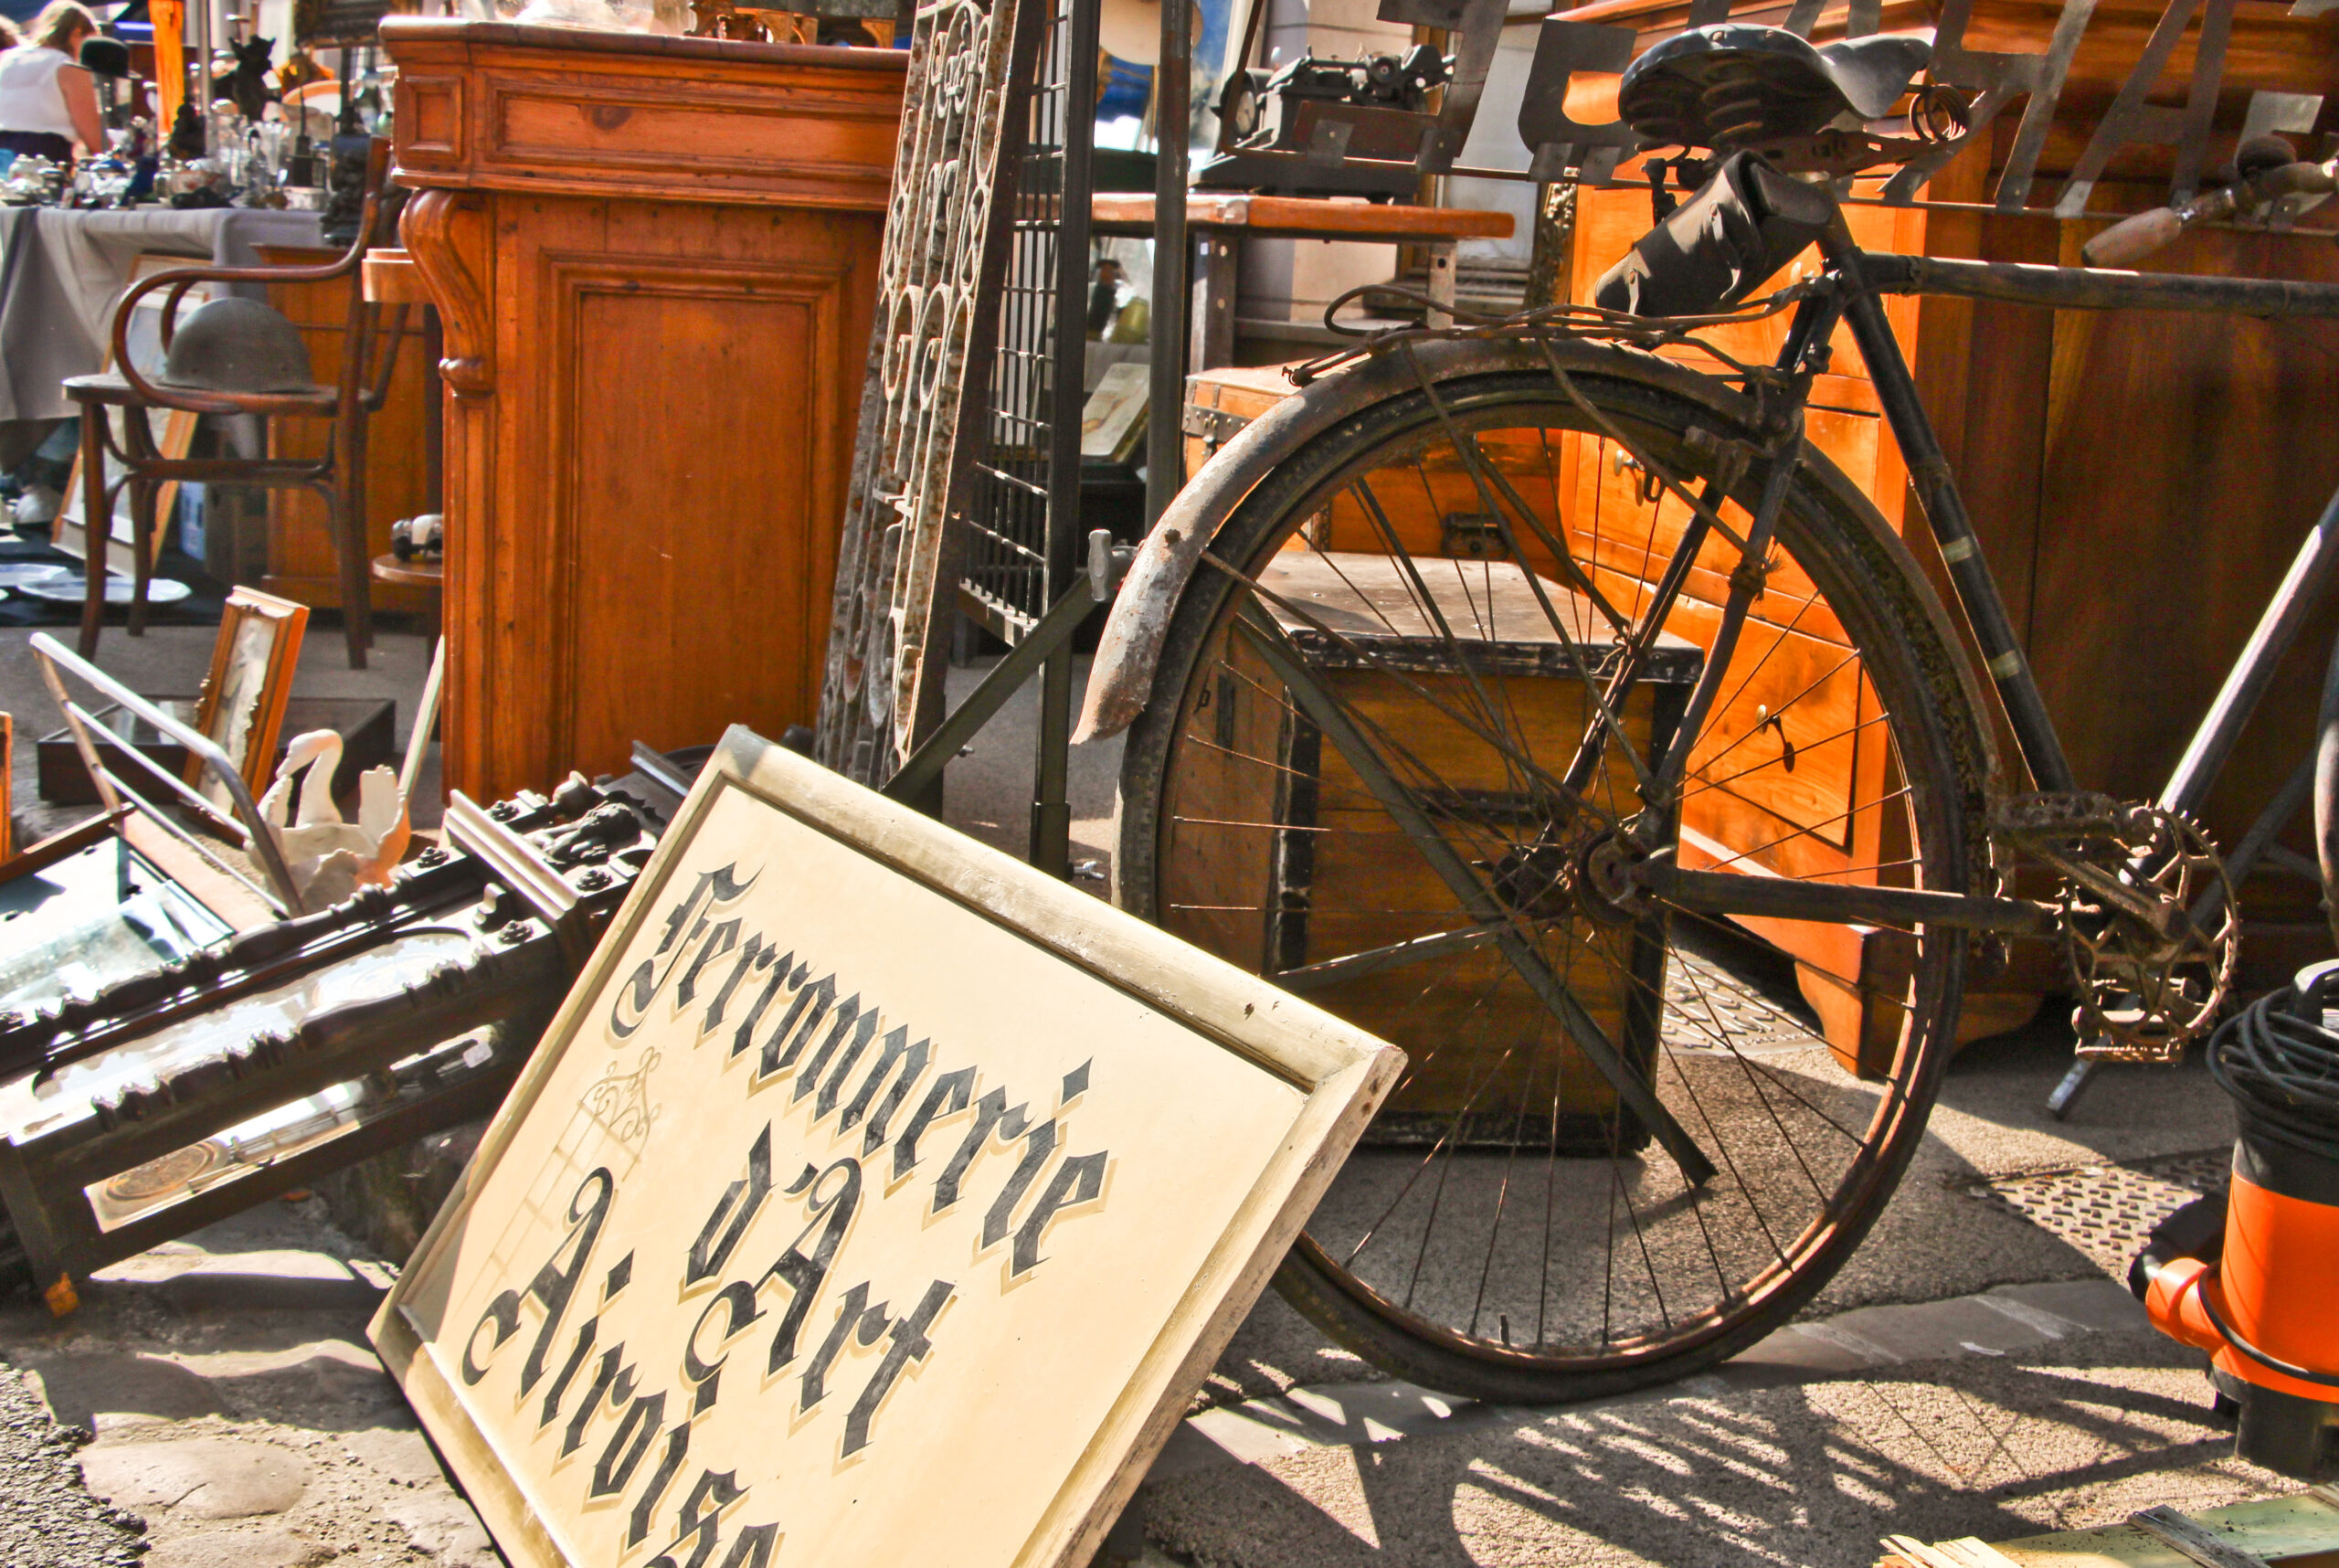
{"x": 1465, "y": 738}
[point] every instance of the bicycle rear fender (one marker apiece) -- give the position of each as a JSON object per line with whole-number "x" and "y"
{"x": 1129, "y": 652}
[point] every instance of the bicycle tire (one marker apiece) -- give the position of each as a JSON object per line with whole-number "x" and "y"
{"x": 1866, "y": 582}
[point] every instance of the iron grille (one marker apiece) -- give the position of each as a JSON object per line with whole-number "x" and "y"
{"x": 1022, "y": 520}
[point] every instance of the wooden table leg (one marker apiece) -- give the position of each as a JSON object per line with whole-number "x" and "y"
{"x": 1216, "y": 281}
{"x": 138, "y": 438}
{"x": 97, "y": 525}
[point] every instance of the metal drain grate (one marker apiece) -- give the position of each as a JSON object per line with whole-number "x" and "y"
{"x": 1707, "y": 1008}
{"x": 2106, "y": 1211}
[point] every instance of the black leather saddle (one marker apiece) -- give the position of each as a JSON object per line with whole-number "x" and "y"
{"x": 1737, "y": 85}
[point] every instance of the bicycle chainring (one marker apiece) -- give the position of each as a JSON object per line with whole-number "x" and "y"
{"x": 2150, "y": 928}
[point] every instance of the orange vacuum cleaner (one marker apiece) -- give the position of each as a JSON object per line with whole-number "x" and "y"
{"x": 2252, "y": 1276}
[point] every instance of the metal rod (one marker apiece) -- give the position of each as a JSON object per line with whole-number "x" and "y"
{"x": 1374, "y": 960}
{"x": 1838, "y": 904}
{"x": 1977, "y": 590}
{"x": 426, "y": 719}
{"x": 263, "y": 842}
{"x": 2096, "y": 287}
{"x": 924, "y": 765}
{"x": 1479, "y": 902}
{"x": 1164, "y": 438}
{"x": 2302, "y": 590}
{"x": 78, "y": 714}
{"x": 1050, "y": 846}
{"x": 153, "y": 814}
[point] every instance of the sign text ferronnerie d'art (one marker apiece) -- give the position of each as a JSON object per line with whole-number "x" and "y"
{"x": 874, "y": 1200}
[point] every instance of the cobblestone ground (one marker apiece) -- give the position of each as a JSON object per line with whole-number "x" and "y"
{"x": 214, "y": 1404}
{"x": 48, "y": 1518}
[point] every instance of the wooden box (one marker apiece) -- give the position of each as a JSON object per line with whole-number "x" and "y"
{"x": 1222, "y": 400}
{"x": 1335, "y": 878}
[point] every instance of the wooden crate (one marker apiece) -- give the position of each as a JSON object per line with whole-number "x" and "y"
{"x": 1335, "y": 877}
{"x": 1220, "y": 401}
{"x": 1818, "y": 818}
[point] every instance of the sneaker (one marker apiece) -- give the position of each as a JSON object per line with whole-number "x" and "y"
{"x": 36, "y": 507}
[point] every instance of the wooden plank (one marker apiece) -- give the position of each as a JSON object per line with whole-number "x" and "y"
{"x": 2297, "y": 1530}
{"x": 2204, "y": 1546}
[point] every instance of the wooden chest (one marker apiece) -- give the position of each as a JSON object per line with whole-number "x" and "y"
{"x": 1335, "y": 877}
{"x": 1220, "y": 401}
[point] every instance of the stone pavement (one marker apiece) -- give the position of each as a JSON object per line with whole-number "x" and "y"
{"x": 237, "y": 1408}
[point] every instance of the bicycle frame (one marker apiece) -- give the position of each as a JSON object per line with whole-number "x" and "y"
{"x": 1865, "y": 278}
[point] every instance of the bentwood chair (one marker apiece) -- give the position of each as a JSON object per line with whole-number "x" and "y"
{"x": 110, "y": 460}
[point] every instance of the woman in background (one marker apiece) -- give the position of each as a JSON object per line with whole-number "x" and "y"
{"x": 47, "y": 100}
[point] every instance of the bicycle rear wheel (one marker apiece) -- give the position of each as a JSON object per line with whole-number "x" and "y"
{"x": 1411, "y": 717}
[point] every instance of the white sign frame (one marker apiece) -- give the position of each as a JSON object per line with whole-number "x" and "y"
{"x": 1284, "y": 1090}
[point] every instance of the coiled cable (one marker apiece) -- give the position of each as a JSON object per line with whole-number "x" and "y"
{"x": 2282, "y": 1067}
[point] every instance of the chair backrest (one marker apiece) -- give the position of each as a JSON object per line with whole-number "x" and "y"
{"x": 179, "y": 280}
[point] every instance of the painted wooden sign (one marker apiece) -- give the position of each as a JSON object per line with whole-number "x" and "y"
{"x": 875, "y": 1199}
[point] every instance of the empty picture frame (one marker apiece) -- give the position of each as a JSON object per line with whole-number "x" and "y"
{"x": 873, "y": 1198}
{"x": 173, "y": 428}
{"x": 241, "y": 708}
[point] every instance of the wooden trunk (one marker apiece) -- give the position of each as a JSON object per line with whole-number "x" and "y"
{"x": 300, "y": 561}
{"x": 655, "y": 259}
{"x": 1333, "y": 879}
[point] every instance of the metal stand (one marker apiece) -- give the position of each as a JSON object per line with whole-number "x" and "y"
{"x": 1048, "y": 645}
{"x": 1172, "y": 90}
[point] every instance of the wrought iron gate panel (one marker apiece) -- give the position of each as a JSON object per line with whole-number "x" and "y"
{"x": 1021, "y": 519}
{"x": 936, "y": 318}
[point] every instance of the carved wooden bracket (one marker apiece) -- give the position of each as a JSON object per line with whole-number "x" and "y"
{"x": 447, "y": 231}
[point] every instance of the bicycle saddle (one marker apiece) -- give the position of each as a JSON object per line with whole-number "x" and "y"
{"x": 1739, "y": 85}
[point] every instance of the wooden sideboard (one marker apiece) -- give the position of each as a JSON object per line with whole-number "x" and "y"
{"x": 656, "y": 261}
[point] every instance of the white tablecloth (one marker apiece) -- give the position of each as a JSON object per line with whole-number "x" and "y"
{"x": 61, "y": 271}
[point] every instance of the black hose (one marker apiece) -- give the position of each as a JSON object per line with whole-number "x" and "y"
{"x": 2282, "y": 1067}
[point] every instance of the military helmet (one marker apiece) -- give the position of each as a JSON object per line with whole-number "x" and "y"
{"x": 234, "y": 345}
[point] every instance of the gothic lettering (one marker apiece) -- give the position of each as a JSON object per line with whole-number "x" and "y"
{"x": 552, "y": 1287}
{"x": 1080, "y": 1179}
{"x": 948, "y": 1096}
{"x": 910, "y": 1345}
{"x": 740, "y": 1202}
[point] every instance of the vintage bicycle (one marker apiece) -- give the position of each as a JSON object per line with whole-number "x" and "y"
{"x": 1517, "y": 689}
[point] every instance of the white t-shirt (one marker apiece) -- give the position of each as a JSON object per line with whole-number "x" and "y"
{"x": 30, "y": 98}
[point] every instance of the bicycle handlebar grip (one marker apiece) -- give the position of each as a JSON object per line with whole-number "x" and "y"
{"x": 2131, "y": 240}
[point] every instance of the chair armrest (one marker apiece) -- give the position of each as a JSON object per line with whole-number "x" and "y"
{"x": 179, "y": 280}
